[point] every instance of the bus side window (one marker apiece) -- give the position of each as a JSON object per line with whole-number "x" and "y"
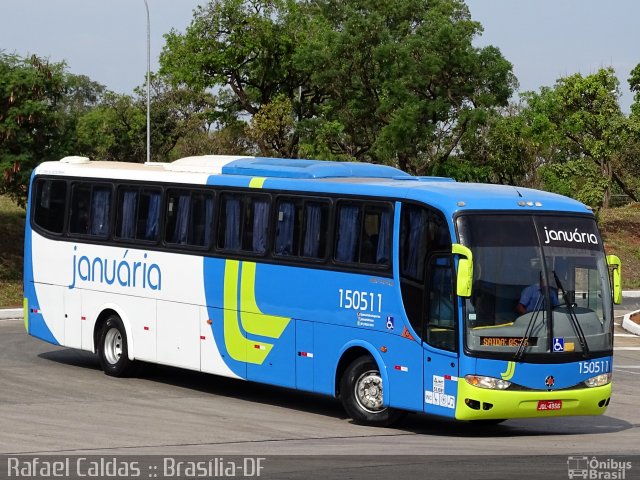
{"x": 256, "y": 231}
{"x": 287, "y": 228}
{"x": 422, "y": 233}
{"x": 138, "y": 214}
{"x": 413, "y": 228}
{"x": 363, "y": 234}
{"x": 440, "y": 331}
{"x": 189, "y": 218}
{"x": 229, "y": 233}
{"x": 90, "y": 210}
{"x": 148, "y": 215}
{"x": 244, "y": 223}
{"x": 50, "y": 204}
{"x": 316, "y": 225}
{"x": 347, "y": 233}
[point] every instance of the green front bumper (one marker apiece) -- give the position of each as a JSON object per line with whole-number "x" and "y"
{"x": 476, "y": 403}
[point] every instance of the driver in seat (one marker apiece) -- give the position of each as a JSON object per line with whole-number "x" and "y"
{"x": 532, "y": 298}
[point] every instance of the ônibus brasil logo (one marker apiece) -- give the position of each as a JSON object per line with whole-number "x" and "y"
{"x": 132, "y": 273}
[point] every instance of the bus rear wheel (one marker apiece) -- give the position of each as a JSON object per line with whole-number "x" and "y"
{"x": 113, "y": 351}
{"x": 361, "y": 392}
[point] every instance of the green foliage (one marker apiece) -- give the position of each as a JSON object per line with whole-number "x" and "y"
{"x": 30, "y": 93}
{"x": 272, "y": 127}
{"x": 580, "y": 179}
{"x": 116, "y": 128}
{"x": 395, "y": 82}
{"x": 113, "y": 130}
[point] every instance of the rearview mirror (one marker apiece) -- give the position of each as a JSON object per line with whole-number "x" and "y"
{"x": 465, "y": 269}
{"x": 616, "y": 265}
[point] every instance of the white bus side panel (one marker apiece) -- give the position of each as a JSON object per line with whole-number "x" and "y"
{"x": 179, "y": 334}
{"x": 51, "y": 302}
{"x": 210, "y": 359}
{"x": 74, "y": 321}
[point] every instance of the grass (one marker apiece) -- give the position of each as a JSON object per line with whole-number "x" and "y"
{"x": 11, "y": 244}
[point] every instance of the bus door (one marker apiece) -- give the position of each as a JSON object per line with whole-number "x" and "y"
{"x": 439, "y": 338}
{"x": 426, "y": 279}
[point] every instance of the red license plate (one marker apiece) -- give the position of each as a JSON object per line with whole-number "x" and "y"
{"x": 544, "y": 405}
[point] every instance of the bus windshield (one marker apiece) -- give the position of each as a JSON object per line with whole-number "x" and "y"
{"x": 541, "y": 287}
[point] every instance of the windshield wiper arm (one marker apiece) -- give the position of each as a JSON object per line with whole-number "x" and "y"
{"x": 524, "y": 341}
{"x": 574, "y": 319}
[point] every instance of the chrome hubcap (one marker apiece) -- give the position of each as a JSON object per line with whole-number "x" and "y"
{"x": 113, "y": 346}
{"x": 368, "y": 390}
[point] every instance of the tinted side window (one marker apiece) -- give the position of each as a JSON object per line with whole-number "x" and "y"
{"x": 421, "y": 231}
{"x": 138, "y": 214}
{"x": 363, "y": 233}
{"x": 288, "y": 226}
{"x": 426, "y": 297}
{"x": 90, "y": 210}
{"x": 315, "y": 228}
{"x": 189, "y": 218}
{"x": 440, "y": 330}
{"x": 301, "y": 228}
{"x": 49, "y": 204}
{"x": 244, "y": 223}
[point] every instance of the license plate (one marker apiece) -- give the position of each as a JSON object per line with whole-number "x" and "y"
{"x": 545, "y": 405}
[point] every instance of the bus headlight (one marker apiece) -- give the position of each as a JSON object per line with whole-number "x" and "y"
{"x": 487, "y": 382}
{"x": 598, "y": 380}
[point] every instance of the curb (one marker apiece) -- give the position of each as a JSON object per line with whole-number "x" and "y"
{"x": 631, "y": 294}
{"x": 630, "y": 326}
{"x": 11, "y": 313}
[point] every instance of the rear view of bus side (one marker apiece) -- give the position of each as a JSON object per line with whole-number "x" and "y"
{"x": 392, "y": 292}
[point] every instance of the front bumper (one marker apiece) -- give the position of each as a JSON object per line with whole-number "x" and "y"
{"x": 476, "y": 403}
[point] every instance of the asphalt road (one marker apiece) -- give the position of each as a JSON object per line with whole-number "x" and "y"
{"x": 57, "y": 401}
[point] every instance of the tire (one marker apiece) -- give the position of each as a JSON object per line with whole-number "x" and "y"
{"x": 113, "y": 351}
{"x": 361, "y": 394}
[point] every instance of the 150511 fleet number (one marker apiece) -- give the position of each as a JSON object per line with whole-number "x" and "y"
{"x": 595, "y": 367}
{"x": 362, "y": 301}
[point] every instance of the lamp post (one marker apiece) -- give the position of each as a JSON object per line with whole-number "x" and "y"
{"x": 146, "y": 5}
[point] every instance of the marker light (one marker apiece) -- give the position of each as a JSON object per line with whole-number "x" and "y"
{"x": 598, "y": 380}
{"x": 487, "y": 382}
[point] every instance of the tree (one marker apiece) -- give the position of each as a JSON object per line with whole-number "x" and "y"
{"x": 30, "y": 92}
{"x": 244, "y": 49}
{"x": 403, "y": 80}
{"x": 390, "y": 82}
{"x": 115, "y": 129}
{"x": 583, "y": 120}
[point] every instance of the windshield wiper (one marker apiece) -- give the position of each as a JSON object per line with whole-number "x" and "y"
{"x": 574, "y": 319}
{"x": 524, "y": 341}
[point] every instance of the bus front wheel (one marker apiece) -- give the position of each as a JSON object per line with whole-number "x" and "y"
{"x": 361, "y": 392}
{"x": 113, "y": 348}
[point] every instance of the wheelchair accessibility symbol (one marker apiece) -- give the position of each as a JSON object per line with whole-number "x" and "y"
{"x": 558, "y": 344}
{"x": 390, "y": 323}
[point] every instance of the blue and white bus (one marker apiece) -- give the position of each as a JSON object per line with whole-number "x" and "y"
{"x": 391, "y": 292}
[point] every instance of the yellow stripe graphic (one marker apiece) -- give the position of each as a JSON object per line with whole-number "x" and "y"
{"x": 511, "y": 370}
{"x": 257, "y": 182}
{"x": 254, "y": 321}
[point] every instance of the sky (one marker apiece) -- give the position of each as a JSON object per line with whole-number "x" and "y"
{"x": 543, "y": 39}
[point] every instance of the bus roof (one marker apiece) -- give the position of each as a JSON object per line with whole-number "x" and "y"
{"x": 322, "y": 176}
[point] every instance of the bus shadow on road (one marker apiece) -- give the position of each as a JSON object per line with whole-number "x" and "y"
{"x": 72, "y": 357}
{"x": 522, "y": 427}
{"x": 163, "y": 375}
{"x": 159, "y": 377}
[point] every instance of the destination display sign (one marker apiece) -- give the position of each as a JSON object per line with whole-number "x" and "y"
{"x": 507, "y": 341}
